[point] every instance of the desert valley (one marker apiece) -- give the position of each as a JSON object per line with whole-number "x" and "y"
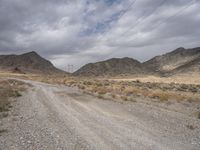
{"x": 119, "y": 103}
{"x": 99, "y": 75}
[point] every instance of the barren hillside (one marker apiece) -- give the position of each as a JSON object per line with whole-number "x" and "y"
{"x": 114, "y": 66}
{"x": 179, "y": 60}
{"x": 27, "y": 63}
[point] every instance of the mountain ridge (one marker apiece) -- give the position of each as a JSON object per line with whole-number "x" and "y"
{"x": 113, "y": 66}
{"x": 177, "y": 61}
{"x": 30, "y": 62}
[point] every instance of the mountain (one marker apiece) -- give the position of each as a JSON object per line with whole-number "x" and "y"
{"x": 192, "y": 67}
{"x": 27, "y": 63}
{"x": 180, "y": 60}
{"x": 112, "y": 67}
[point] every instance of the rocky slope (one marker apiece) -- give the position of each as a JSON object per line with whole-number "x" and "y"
{"x": 178, "y": 61}
{"x": 192, "y": 67}
{"x": 114, "y": 66}
{"x": 27, "y": 63}
{"x": 181, "y": 60}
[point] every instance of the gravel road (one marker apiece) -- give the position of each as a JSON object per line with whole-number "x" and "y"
{"x": 55, "y": 117}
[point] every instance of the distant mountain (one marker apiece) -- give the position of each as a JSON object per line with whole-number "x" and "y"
{"x": 27, "y": 63}
{"x": 181, "y": 60}
{"x": 112, "y": 67}
{"x": 178, "y": 61}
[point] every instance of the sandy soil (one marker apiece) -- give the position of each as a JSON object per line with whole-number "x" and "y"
{"x": 56, "y": 117}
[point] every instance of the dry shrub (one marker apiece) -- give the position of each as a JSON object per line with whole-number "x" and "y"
{"x": 138, "y": 81}
{"x": 164, "y": 96}
{"x": 99, "y": 84}
{"x": 125, "y": 98}
{"x": 70, "y": 83}
{"x": 113, "y": 95}
{"x": 132, "y": 90}
{"x": 87, "y": 83}
{"x": 159, "y": 95}
{"x": 198, "y": 115}
{"x": 9, "y": 88}
{"x": 81, "y": 87}
{"x": 102, "y": 91}
{"x": 100, "y": 97}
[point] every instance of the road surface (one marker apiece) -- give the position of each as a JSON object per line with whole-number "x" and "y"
{"x": 55, "y": 117}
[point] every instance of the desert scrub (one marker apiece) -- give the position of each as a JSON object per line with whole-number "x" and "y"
{"x": 125, "y": 98}
{"x": 159, "y": 95}
{"x": 164, "y": 97}
{"x": 81, "y": 87}
{"x": 87, "y": 83}
{"x": 113, "y": 96}
{"x": 99, "y": 84}
{"x": 4, "y": 105}
{"x": 133, "y": 91}
{"x": 9, "y": 88}
{"x": 102, "y": 91}
{"x": 100, "y": 96}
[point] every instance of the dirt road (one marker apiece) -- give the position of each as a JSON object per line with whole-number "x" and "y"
{"x": 50, "y": 117}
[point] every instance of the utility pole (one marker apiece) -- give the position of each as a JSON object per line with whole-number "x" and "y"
{"x": 70, "y": 68}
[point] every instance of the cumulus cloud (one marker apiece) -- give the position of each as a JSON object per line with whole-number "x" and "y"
{"x": 81, "y": 31}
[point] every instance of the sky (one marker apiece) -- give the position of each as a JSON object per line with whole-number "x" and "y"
{"x": 78, "y": 32}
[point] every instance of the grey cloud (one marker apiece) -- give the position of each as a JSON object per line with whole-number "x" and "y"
{"x": 54, "y": 28}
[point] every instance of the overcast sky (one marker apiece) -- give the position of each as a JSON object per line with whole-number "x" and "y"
{"x": 81, "y": 31}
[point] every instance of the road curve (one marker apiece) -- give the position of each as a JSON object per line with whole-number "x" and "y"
{"x": 56, "y": 117}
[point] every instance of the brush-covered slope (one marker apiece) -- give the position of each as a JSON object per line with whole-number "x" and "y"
{"x": 112, "y": 67}
{"x": 179, "y": 60}
{"x": 27, "y": 63}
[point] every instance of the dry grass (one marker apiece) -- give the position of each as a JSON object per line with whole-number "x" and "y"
{"x": 125, "y": 98}
{"x": 186, "y": 79}
{"x": 8, "y": 89}
{"x": 128, "y": 90}
{"x": 163, "y": 89}
{"x": 160, "y": 95}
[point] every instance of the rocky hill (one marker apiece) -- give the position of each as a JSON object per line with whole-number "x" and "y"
{"x": 27, "y": 63}
{"x": 178, "y": 61}
{"x": 112, "y": 67}
{"x": 181, "y": 60}
{"x": 192, "y": 67}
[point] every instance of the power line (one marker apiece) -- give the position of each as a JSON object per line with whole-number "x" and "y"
{"x": 122, "y": 14}
{"x": 119, "y": 17}
{"x": 177, "y": 13}
{"x": 142, "y": 18}
{"x": 185, "y": 7}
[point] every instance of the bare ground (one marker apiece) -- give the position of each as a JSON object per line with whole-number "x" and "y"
{"x": 58, "y": 117}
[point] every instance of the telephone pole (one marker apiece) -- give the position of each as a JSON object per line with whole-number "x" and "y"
{"x": 70, "y": 68}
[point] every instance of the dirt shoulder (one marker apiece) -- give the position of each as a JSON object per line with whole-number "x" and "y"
{"x": 10, "y": 90}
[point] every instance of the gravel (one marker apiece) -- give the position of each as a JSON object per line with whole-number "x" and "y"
{"x": 56, "y": 117}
